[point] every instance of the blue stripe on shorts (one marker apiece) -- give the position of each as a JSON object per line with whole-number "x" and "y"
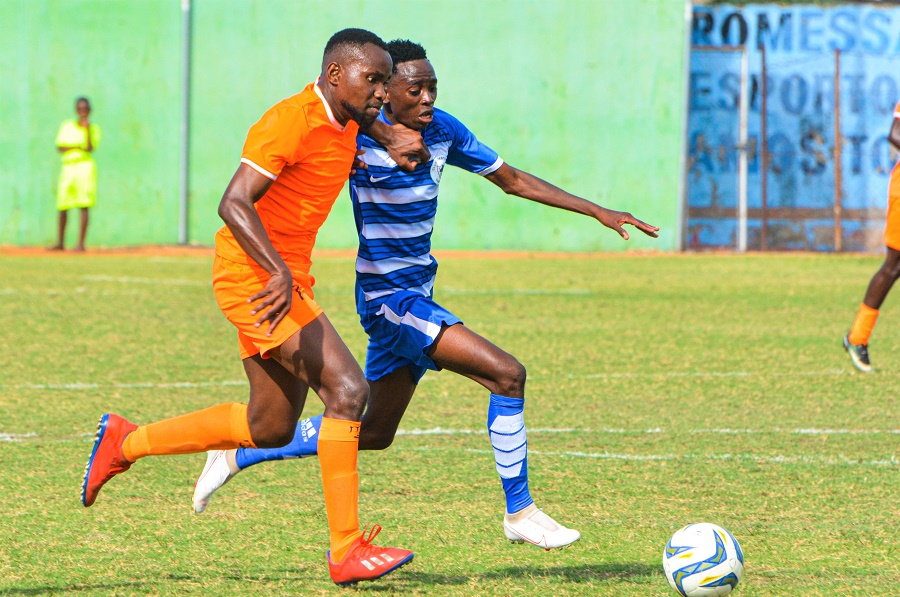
{"x": 401, "y": 331}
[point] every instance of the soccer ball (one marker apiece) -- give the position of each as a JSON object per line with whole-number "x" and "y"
{"x": 703, "y": 559}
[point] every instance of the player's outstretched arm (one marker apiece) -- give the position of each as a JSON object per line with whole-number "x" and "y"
{"x": 237, "y": 210}
{"x": 525, "y": 185}
{"x": 404, "y": 145}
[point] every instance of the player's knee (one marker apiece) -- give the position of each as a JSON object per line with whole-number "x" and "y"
{"x": 510, "y": 379}
{"x": 375, "y": 441}
{"x": 350, "y": 400}
{"x": 272, "y": 434}
{"x": 892, "y": 270}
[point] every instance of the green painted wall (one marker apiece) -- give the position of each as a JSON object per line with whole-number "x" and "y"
{"x": 122, "y": 55}
{"x": 587, "y": 94}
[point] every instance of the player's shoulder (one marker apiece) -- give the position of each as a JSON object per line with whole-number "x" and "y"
{"x": 446, "y": 119}
{"x": 448, "y": 123}
{"x": 445, "y": 127}
{"x": 294, "y": 110}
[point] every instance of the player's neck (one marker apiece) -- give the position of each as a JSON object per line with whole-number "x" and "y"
{"x": 334, "y": 106}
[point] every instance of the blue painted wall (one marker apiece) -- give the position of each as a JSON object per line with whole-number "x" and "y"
{"x": 800, "y": 43}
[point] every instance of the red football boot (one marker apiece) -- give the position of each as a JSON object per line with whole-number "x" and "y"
{"x": 106, "y": 459}
{"x": 365, "y": 561}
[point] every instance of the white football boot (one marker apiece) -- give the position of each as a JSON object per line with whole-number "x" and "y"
{"x": 535, "y": 527}
{"x": 220, "y": 468}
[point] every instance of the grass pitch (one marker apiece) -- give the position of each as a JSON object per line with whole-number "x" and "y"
{"x": 662, "y": 390}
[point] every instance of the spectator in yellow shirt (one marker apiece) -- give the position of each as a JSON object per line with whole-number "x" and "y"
{"x": 76, "y": 140}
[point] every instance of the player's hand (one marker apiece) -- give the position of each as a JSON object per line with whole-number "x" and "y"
{"x": 274, "y": 300}
{"x": 358, "y": 164}
{"x": 407, "y": 148}
{"x": 616, "y": 219}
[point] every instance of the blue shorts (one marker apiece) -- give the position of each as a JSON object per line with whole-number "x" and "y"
{"x": 401, "y": 333}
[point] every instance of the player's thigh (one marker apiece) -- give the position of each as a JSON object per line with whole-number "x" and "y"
{"x": 389, "y": 397}
{"x": 892, "y": 263}
{"x": 234, "y": 283}
{"x": 318, "y": 356}
{"x": 276, "y": 396}
{"x": 459, "y": 349}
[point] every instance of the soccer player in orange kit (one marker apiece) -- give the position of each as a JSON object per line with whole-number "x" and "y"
{"x": 294, "y": 164}
{"x": 856, "y": 343}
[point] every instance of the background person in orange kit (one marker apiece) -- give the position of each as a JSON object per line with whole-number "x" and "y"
{"x": 856, "y": 343}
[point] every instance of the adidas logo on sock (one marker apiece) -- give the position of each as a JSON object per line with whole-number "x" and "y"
{"x": 307, "y": 430}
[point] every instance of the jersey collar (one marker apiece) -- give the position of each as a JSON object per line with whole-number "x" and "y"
{"x": 328, "y": 111}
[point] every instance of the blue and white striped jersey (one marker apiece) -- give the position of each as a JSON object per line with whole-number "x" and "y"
{"x": 395, "y": 210}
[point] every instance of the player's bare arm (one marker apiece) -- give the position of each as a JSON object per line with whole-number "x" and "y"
{"x": 894, "y": 135}
{"x": 522, "y": 184}
{"x": 404, "y": 145}
{"x": 237, "y": 210}
{"x": 90, "y": 142}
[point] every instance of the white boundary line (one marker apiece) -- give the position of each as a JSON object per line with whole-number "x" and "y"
{"x": 525, "y": 291}
{"x": 127, "y": 386}
{"x": 657, "y": 431}
{"x": 16, "y": 437}
{"x": 154, "y": 281}
{"x": 428, "y": 377}
{"x": 891, "y": 461}
{"x": 440, "y": 431}
{"x": 711, "y": 374}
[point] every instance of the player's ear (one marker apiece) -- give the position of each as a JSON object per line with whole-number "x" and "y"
{"x": 333, "y": 73}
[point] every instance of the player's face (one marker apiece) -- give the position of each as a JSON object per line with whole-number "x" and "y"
{"x": 412, "y": 92}
{"x": 361, "y": 90}
{"x": 82, "y": 108}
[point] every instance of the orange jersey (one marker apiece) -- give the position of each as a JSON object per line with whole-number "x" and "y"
{"x": 892, "y": 226}
{"x": 307, "y": 153}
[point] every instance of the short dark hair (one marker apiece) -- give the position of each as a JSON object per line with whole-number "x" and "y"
{"x": 82, "y": 99}
{"x": 355, "y": 38}
{"x": 403, "y": 50}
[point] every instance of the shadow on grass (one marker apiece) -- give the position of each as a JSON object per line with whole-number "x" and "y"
{"x": 412, "y": 579}
{"x": 407, "y": 578}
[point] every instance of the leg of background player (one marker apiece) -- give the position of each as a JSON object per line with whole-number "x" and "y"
{"x": 857, "y": 341}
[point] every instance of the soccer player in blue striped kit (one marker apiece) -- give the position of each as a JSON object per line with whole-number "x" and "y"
{"x": 408, "y": 332}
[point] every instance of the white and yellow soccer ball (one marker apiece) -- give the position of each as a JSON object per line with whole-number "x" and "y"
{"x": 703, "y": 560}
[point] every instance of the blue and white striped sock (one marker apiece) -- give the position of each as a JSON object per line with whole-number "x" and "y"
{"x": 506, "y": 426}
{"x": 305, "y": 443}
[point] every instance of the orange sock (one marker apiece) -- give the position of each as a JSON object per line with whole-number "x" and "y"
{"x": 338, "y": 450}
{"x": 863, "y": 324}
{"x": 219, "y": 427}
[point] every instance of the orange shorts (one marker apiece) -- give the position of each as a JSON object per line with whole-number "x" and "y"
{"x": 234, "y": 283}
{"x": 892, "y": 226}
